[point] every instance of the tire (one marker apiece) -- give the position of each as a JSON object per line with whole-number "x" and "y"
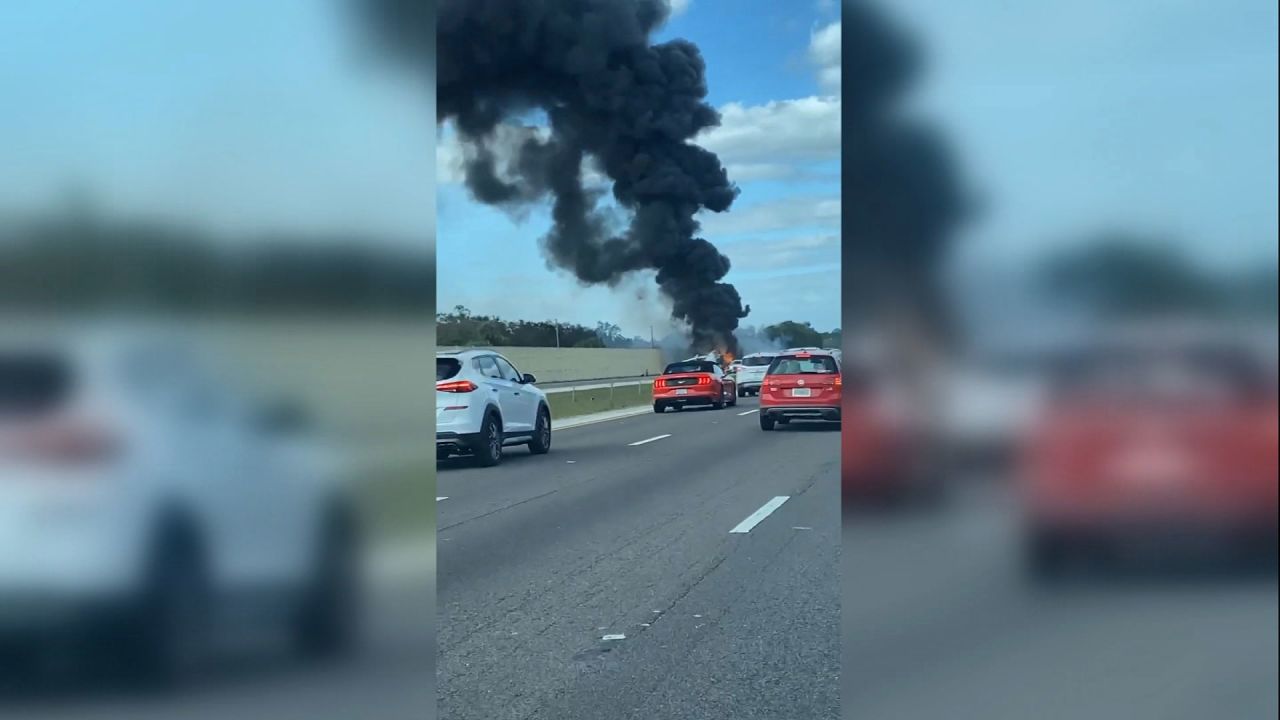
{"x": 541, "y": 442}
{"x": 742, "y": 393}
{"x": 719, "y": 402}
{"x": 1046, "y": 556}
{"x": 327, "y": 621}
{"x": 659, "y": 408}
{"x": 488, "y": 448}
{"x": 170, "y": 633}
{"x": 766, "y": 422}
{"x": 733, "y": 401}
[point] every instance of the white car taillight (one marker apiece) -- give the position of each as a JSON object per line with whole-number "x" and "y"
{"x": 64, "y": 442}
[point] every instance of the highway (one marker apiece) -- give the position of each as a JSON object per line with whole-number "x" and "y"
{"x": 389, "y": 677}
{"x": 626, "y": 531}
{"x": 939, "y": 621}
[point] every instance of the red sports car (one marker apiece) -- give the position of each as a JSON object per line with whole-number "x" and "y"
{"x": 693, "y": 382}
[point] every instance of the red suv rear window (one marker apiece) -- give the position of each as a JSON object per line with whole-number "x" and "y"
{"x": 803, "y": 364}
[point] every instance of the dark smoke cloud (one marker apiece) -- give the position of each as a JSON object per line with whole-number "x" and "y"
{"x": 904, "y": 200}
{"x": 608, "y": 95}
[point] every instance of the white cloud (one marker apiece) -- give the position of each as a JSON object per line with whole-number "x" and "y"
{"x": 774, "y": 139}
{"x": 774, "y": 215}
{"x": 451, "y": 154}
{"x": 780, "y": 254}
{"x": 448, "y": 160}
{"x": 755, "y": 142}
{"x": 678, "y": 6}
{"x": 824, "y": 52}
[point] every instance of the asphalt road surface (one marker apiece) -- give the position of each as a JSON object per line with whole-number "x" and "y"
{"x": 939, "y": 621}
{"x": 543, "y": 557}
{"x": 389, "y": 677}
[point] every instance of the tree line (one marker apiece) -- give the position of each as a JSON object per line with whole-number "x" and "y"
{"x": 461, "y": 327}
{"x": 82, "y": 262}
{"x": 1125, "y": 275}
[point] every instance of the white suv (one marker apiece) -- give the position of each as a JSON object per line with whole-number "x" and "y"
{"x": 147, "y": 504}
{"x": 484, "y": 404}
{"x": 750, "y": 375}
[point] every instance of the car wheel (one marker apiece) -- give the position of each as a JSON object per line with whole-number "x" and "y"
{"x": 742, "y": 393}
{"x": 1047, "y": 555}
{"x": 766, "y": 422}
{"x": 489, "y": 447}
{"x": 170, "y": 635}
{"x": 659, "y": 408}
{"x": 327, "y": 621}
{"x": 541, "y": 442}
{"x": 733, "y": 399}
{"x": 719, "y": 402}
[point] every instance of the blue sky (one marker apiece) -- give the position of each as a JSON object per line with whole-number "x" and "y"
{"x": 239, "y": 115}
{"x": 780, "y": 141}
{"x": 248, "y": 115}
{"x": 1157, "y": 115}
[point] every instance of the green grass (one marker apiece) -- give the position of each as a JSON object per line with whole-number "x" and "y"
{"x": 400, "y": 502}
{"x": 584, "y": 402}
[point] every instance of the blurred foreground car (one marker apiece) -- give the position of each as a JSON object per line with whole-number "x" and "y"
{"x": 750, "y": 375}
{"x": 147, "y": 507}
{"x": 1152, "y": 447}
{"x": 887, "y": 452}
{"x": 693, "y": 382}
{"x": 800, "y": 385}
{"x": 483, "y": 405}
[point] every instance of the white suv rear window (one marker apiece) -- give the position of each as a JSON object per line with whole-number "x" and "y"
{"x": 447, "y": 368}
{"x": 32, "y": 383}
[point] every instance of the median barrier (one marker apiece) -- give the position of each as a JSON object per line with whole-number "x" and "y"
{"x": 591, "y": 397}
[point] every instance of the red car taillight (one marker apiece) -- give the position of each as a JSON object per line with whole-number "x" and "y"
{"x": 457, "y": 386}
{"x": 659, "y": 383}
{"x": 704, "y": 380}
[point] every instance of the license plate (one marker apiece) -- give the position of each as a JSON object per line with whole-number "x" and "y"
{"x": 801, "y": 392}
{"x": 682, "y": 391}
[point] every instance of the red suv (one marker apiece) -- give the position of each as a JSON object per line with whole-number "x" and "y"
{"x": 693, "y": 382}
{"x": 1144, "y": 444}
{"x": 800, "y": 385}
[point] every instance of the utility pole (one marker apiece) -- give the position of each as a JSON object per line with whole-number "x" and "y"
{"x": 557, "y": 324}
{"x": 652, "y": 344}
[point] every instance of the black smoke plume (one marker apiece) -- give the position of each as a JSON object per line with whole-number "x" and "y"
{"x": 610, "y": 97}
{"x": 903, "y": 197}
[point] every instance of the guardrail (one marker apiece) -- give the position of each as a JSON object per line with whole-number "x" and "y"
{"x": 597, "y": 385}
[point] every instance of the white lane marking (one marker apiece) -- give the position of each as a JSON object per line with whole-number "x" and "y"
{"x": 614, "y": 637}
{"x": 442, "y": 498}
{"x": 577, "y": 421}
{"x": 748, "y": 412}
{"x": 765, "y": 510}
{"x": 801, "y": 528}
{"x": 642, "y": 442}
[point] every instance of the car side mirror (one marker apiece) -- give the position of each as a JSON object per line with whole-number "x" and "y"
{"x": 282, "y": 418}
{"x": 528, "y": 379}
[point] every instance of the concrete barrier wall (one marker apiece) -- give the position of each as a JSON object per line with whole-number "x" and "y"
{"x": 363, "y": 376}
{"x": 552, "y": 365}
